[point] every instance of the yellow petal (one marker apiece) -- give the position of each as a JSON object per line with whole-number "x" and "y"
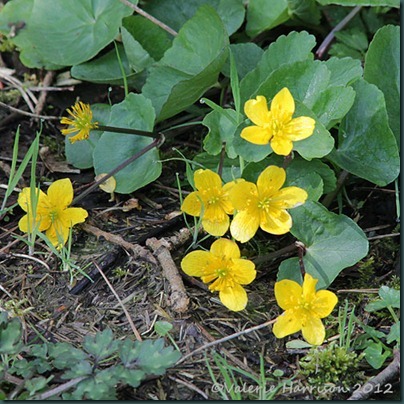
{"x": 207, "y": 179}
{"x": 270, "y": 181}
{"x": 256, "y": 135}
{"x": 243, "y": 271}
{"x": 194, "y": 263}
{"x": 234, "y": 298}
{"x": 24, "y": 200}
{"x": 57, "y": 234}
{"x": 279, "y": 223}
{"x": 283, "y": 106}
{"x": 281, "y": 145}
{"x": 192, "y": 204}
{"x": 60, "y": 193}
{"x": 71, "y": 216}
{"x": 313, "y": 331}
{"x": 300, "y": 128}
{"x": 225, "y": 248}
{"x": 324, "y": 303}
{"x": 216, "y": 228}
{"x": 244, "y": 225}
{"x": 288, "y": 294}
{"x": 243, "y": 194}
{"x": 287, "y": 323}
{"x": 309, "y": 288}
{"x": 289, "y": 197}
{"x": 257, "y": 110}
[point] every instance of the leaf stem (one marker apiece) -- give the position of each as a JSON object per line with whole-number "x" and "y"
{"x": 156, "y": 143}
{"x": 328, "y": 39}
{"x": 127, "y": 131}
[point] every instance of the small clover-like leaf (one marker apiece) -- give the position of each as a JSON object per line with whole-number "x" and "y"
{"x": 10, "y": 335}
{"x": 388, "y": 297}
{"x": 375, "y": 356}
{"x": 394, "y": 334}
{"x": 64, "y": 355}
{"x": 162, "y": 328}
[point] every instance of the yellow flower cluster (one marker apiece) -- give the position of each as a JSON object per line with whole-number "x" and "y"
{"x": 51, "y": 211}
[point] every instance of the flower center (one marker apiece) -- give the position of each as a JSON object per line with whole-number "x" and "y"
{"x": 264, "y": 203}
{"x": 221, "y": 272}
{"x": 53, "y": 215}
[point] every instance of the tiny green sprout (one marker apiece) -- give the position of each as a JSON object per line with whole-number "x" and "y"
{"x": 163, "y": 329}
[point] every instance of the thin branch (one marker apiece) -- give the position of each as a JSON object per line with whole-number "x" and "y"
{"x": 149, "y": 17}
{"x": 328, "y": 39}
{"x": 19, "y": 111}
{"x": 340, "y": 182}
{"x": 228, "y": 338}
{"x": 59, "y": 389}
{"x": 132, "y": 325}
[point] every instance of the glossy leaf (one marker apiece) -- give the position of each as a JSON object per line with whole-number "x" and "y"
{"x": 366, "y": 144}
{"x": 176, "y": 13}
{"x": 333, "y": 242}
{"x": 190, "y": 66}
{"x": 352, "y": 3}
{"x": 305, "y": 10}
{"x": 112, "y": 149}
{"x": 262, "y": 15}
{"x": 289, "y": 49}
{"x": 382, "y": 67}
{"x": 343, "y": 71}
{"x": 376, "y": 355}
{"x": 88, "y": 26}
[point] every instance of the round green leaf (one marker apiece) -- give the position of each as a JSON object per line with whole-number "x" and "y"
{"x": 112, "y": 149}
{"x": 333, "y": 242}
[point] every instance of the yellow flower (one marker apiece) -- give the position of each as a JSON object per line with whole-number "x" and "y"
{"x": 264, "y": 205}
{"x": 81, "y": 122}
{"x": 211, "y": 199}
{"x": 304, "y": 307}
{"x": 276, "y": 125}
{"x": 52, "y": 213}
{"x": 223, "y": 265}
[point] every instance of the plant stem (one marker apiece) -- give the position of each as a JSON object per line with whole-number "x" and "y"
{"x": 328, "y": 39}
{"x": 340, "y": 182}
{"x": 149, "y": 17}
{"x": 156, "y": 143}
{"x": 127, "y": 131}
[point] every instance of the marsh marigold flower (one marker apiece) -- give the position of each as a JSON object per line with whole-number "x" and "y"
{"x": 223, "y": 265}
{"x": 211, "y": 200}
{"x": 264, "y": 204}
{"x": 81, "y": 121}
{"x": 304, "y": 309}
{"x": 52, "y": 212}
{"x": 276, "y": 126}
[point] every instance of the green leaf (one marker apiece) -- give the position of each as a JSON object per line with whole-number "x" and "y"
{"x": 333, "y": 104}
{"x": 36, "y": 384}
{"x": 367, "y": 147}
{"x": 222, "y": 126}
{"x": 138, "y": 58}
{"x": 354, "y": 38}
{"x": 388, "y": 297}
{"x": 305, "y": 10}
{"x": 352, "y": 3}
{"x": 153, "y": 39}
{"x": 344, "y": 71}
{"x": 190, "y": 66}
{"x": 10, "y": 335}
{"x": 78, "y": 369}
{"x": 372, "y": 332}
{"x": 333, "y": 242}
{"x": 298, "y": 344}
{"x": 382, "y": 68}
{"x": 375, "y": 356}
{"x": 176, "y": 13}
{"x": 263, "y": 15}
{"x": 65, "y": 355}
{"x": 319, "y": 144}
{"x": 112, "y": 149}
{"x": 394, "y": 334}
{"x": 289, "y": 49}
{"x": 246, "y": 55}
{"x": 249, "y": 151}
{"x": 80, "y": 154}
{"x": 162, "y": 328}
{"x": 230, "y": 168}
{"x": 311, "y": 182}
{"x": 70, "y": 32}
{"x": 101, "y": 345}
{"x": 106, "y": 69}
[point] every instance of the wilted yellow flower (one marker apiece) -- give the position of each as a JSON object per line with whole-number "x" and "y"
{"x": 264, "y": 205}
{"x": 210, "y": 200}
{"x": 81, "y": 122}
{"x": 304, "y": 309}
{"x": 276, "y": 126}
{"x": 52, "y": 212}
{"x": 223, "y": 265}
